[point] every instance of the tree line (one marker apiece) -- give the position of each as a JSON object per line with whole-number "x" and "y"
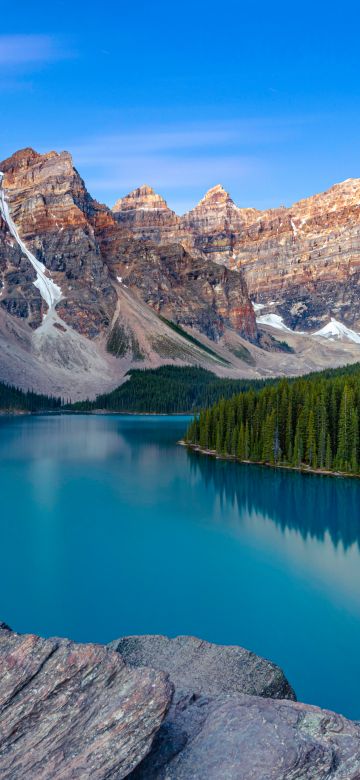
{"x": 308, "y": 422}
{"x": 13, "y": 399}
{"x": 167, "y": 390}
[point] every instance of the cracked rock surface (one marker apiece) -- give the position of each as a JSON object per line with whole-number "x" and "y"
{"x": 217, "y": 728}
{"x": 72, "y": 710}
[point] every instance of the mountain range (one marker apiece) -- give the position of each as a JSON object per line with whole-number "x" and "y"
{"x": 87, "y": 292}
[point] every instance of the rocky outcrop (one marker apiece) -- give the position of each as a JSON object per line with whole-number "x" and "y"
{"x": 211, "y": 227}
{"x": 251, "y": 738}
{"x": 217, "y": 728}
{"x": 18, "y": 295}
{"x": 307, "y": 258}
{"x": 205, "y": 668}
{"x": 74, "y": 711}
{"x": 80, "y": 711}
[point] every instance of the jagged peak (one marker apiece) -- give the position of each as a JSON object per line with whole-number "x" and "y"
{"x": 18, "y": 158}
{"x": 143, "y": 197}
{"x": 217, "y": 195}
{"x": 145, "y": 189}
{"x": 217, "y": 189}
{"x": 28, "y": 157}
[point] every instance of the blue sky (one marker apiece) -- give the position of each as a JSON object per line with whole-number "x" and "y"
{"x": 263, "y": 98}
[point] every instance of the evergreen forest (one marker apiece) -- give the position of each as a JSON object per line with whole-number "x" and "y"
{"x": 312, "y": 422}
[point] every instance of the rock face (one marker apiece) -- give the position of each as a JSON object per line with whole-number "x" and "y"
{"x": 129, "y": 278}
{"x": 212, "y": 225}
{"x": 146, "y": 215}
{"x": 205, "y": 668}
{"x": 305, "y": 259}
{"x": 74, "y": 711}
{"x": 85, "y": 249}
{"x": 185, "y": 289}
{"x": 52, "y": 211}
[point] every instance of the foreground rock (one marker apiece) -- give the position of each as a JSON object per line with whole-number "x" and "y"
{"x": 78, "y": 711}
{"x": 204, "y": 668}
{"x": 239, "y": 737}
{"x": 74, "y": 711}
{"x": 216, "y": 729}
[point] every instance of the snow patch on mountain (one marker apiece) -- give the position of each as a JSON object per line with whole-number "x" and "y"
{"x": 49, "y": 291}
{"x": 337, "y": 330}
{"x": 274, "y": 320}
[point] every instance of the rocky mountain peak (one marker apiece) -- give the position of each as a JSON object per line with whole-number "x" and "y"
{"x": 216, "y": 196}
{"x": 28, "y": 168}
{"x": 215, "y": 213}
{"x": 22, "y": 159}
{"x": 22, "y": 154}
{"x": 51, "y": 210}
{"x": 143, "y": 197}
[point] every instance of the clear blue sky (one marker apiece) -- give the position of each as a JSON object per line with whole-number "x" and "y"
{"x": 261, "y": 97}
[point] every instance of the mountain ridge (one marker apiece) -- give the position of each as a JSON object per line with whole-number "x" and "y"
{"x": 301, "y": 261}
{"x": 142, "y": 285}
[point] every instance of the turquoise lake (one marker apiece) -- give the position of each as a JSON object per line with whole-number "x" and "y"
{"x": 108, "y": 528}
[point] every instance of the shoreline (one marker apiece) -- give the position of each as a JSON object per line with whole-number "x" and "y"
{"x": 14, "y": 412}
{"x": 299, "y": 469}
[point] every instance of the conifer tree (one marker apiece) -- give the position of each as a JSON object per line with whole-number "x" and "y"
{"x": 328, "y": 454}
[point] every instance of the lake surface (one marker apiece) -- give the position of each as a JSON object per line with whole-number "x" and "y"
{"x": 108, "y": 528}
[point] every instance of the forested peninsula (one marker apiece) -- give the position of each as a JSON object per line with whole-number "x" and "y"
{"x": 309, "y": 423}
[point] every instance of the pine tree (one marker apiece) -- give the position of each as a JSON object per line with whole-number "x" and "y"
{"x": 343, "y": 455}
{"x": 311, "y": 457}
{"x": 268, "y": 450}
{"x": 354, "y": 440}
{"x": 241, "y": 443}
{"x": 328, "y": 454}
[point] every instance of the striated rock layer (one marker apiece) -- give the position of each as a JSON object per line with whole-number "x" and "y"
{"x": 146, "y": 215}
{"x": 78, "y": 241}
{"x": 74, "y": 711}
{"x": 52, "y": 210}
{"x": 132, "y": 279}
{"x": 305, "y": 259}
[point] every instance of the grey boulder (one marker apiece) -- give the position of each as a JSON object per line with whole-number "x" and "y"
{"x": 202, "y": 667}
{"x": 252, "y": 738}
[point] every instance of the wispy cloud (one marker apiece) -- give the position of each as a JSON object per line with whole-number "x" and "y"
{"x": 181, "y": 161}
{"x": 171, "y": 173}
{"x": 20, "y": 50}
{"x": 190, "y": 136}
